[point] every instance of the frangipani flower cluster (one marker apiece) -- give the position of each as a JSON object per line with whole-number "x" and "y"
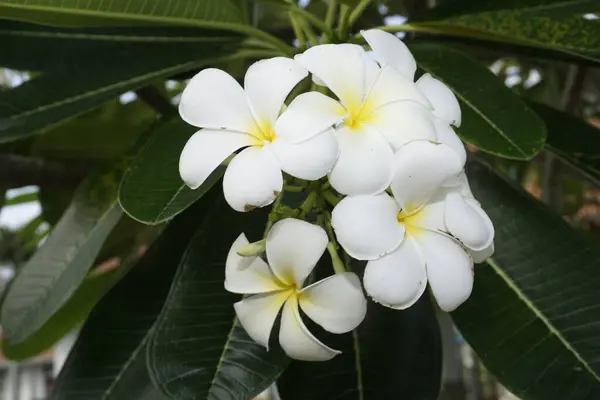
{"x": 376, "y": 131}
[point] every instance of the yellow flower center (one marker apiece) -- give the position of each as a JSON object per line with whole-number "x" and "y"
{"x": 410, "y": 218}
{"x": 263, "y": 132}
{"x": 359, "y": 113}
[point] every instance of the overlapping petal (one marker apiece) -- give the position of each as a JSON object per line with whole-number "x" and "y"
{"x": 420, "y": 169}
{"x": 390, "y": 50}
{"x": 335, "y": 303}
{"x": 467, "y": 222}
{"x": 213, "y": 99}
{"x": 447, "y": 136}
{"x": 252, "y": 179}
{"x": 366, "y": 226}
{"x": 293, "y": 249}
{"x": 445, "y": 104}
{"x": 267, "y": 84}
{"x": 399, "y": 279}
{"x": 297, "y": 341}
{"x": 311, "y": 159}
{"x": 205, "y": 150}
{"x": 365, "y": 163}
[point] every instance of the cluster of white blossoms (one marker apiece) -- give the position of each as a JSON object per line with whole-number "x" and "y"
{"x": 383, "y": 132}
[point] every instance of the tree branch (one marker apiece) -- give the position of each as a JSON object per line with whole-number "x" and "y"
{"x": 18, "y": 171}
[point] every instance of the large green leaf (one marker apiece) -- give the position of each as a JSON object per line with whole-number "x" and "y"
{"x": 41, "y": 103}
{"x": 534, "y": 315}
{"x": 152, "y": 190}
{"x": 572, "y": 139}
{"x": 494, "y": 119}
{"x": 57, "y": 269}
{"x": 198, "y": 349}
{"x": 108, "y": 359}
{"x": 550, "y": 24}
{"x": 205, "y": 13}
{"x": 392, "y": 354}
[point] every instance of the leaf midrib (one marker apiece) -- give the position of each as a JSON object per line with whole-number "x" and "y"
{"x": 542, "y": 317}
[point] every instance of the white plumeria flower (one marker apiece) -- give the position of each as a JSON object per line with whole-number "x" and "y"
{"x": 379, "y": 111}
{"x": 293, "y": 248}
{"x": 424, "y": 233}
{"x": 389, "y": 50}
{"x": 234, "y": 117}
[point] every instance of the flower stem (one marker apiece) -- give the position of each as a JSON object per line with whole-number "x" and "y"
{"x": 358, "y": 10}
{"x": 308, "y": 31}
{"x": 298, "y": 30}
{"x": 331, "y": 198}
{"x": 342, "y": 29}
{"x": 294, "y": 189}
{"x": 314, "y": 20}
{"x": 330, "y": 16}
{"x": 274, "y": 209}
{"x": 308, "y": 204}
{"x": 338, "y": 264}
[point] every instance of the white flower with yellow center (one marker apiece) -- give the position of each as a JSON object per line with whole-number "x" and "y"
{"x": 390, "y": 51}
{"x": 379, "y": 110}
{"x": 425, "y": 233}
{"x": 233, "y": 118}
{"x": 293, "y": 248}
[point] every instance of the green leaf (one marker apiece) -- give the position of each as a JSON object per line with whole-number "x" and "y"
{"x": 534, "y": 312}
{"x": 57, "y": 269}
{"x": 554, "y": 24}
{"x": 391, "y": 353}
{"x": 198, "y": 349}
{"x": 205, "y": 13}
{"x": 108, "y": 359}
{"x": 152, "y": 190}
{"x": 572, "y": 139}
{"x": 41, "y": 103}
{"x": 505, "y": 127}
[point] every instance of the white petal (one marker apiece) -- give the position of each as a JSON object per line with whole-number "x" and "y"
{"x": 482, "y": 255}
{"x": 268, "y": 83}
{"x": 336, "y": 303}
{"x": 252, "y": 179}
{"x": 447, "y": 136}
{"x": 257, "y": 314}
{"x": 205, "y": 150}
{"x": 213, "y": 99}
{"x": 420, "y": 169}
{"x": 341, "y": 67}
{"x": 372, "y": 70}
{"x": 449, "y": 269}
{"x": 460, "y": 184}
{"x": 308, "y": 115}
{"x": 366, "y": 226}
{"x": 390, "y": 50}
{"x": 297, "y": 341}
{"x": 391, "y": 86}
{"x": 468, "y": 223}
{"x": 445, "y": 104}
{"x": 365, "y": 163}
{"x": 293, "y": 249}
{"x": 404, "y": 121}
{"x": 311, "y": 159}
{"x": 430, "y": 217}
{"x": 248, "y": 274}
{"x": 399, "y": 279}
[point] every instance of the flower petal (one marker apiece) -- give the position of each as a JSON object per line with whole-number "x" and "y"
{"x": 482, "y": 255}
{"x": 293, "y": 249}
{"x": 308, "y": 115}
{"x": 311, "y": 159}
{"x": 341, "y": 67}
{"x": 366, "y": 226}
{"x": 213, "y": 99}
{"x": 404, "y": 121}
{"x": 392, "y": 86}
{"x": 365, "y": 163}
{"x": 257, "y": 314}
{"x": 336, "y": 303}
{"x": 468, "y": 222}
{"x": 430, "y": 217}
{"x": 372, "y": 70}
{"x": 449, "y": 269}
{"x": 252, "y": 179}
{"x": 297, "y": 341}
{"x": 248, "y": 274}
{"x": 399, "y": 279}
{"x": 420, "y": 169}
{"x": 447, "y": 136}
{"x": 205, "y": 150}
{"x": 390, "y": 50}
{"x": 267, "y": 84}
{"x": 445, "y": 104}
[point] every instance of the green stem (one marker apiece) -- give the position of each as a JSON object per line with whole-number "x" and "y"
{"x": 331, "y": 198}
{"x": 308, "y": 31}
{"x": 298, "y": 30}
{"x": 294, "y": 189}
{"x": 338, "y": 264}
{"x": 276, "y": 205}
{"x": 330, "y": 16}
{"x": 342, "y": 28}
{"x": 358, "y": 10}
{"x": 314, "y": 20}
{"x": 308, "y": 204}
{"x": 279, "y": 44}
